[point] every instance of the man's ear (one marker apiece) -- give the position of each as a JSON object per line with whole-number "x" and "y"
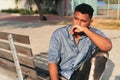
{"x": 91, "y": 21}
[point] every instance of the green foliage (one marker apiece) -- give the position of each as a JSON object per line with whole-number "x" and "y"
{"x": 111, "y": 1}
{"x": 10, "y": 10}
{"x": 21, "y": 11}
{"x": 47, "y": 11}
{"x": 16, "y": 1}
{"x": 24, "y": 11}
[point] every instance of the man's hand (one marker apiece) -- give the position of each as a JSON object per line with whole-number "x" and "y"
{"x": 76, "y": 28}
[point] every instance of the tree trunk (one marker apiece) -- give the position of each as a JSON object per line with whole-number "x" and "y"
{"x": 39, "y": 6}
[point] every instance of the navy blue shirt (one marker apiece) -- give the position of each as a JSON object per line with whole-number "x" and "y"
{"x": 66, "y": 54}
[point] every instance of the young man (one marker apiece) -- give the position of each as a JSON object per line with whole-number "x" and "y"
{"x": 72, "y": 46}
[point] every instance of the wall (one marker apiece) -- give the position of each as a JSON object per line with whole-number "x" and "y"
{"x": 65, "y": 7}
{"x": 6, "y": 4}
{"x": 93, "y": 3}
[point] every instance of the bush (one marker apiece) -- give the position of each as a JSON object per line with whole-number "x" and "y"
{"x": 47, "y": 11}
{"x": 25, "y": 11}
{"x": 21, "y": 11}
{"x": 10, "y": 10}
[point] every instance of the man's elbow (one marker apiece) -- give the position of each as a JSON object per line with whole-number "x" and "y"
{"x": 107, "y": 47}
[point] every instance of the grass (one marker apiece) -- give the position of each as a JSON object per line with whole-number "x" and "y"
{"x": 107, "y": 24}
{"x": 111, "y": 24}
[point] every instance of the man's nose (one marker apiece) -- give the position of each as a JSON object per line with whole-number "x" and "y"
{"x": 78, "y": 22}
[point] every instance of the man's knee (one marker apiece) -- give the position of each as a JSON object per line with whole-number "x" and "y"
{"x": 101, "y": 54}
{"x": 98, "y": 64}
{"x": 100, "y": 58}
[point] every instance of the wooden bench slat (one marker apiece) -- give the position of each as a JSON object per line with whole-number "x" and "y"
{"x": 44, "y": 55}
{"x": 16, "y": 37}
{"x": 28, "y": 61}
{"x": 19, "y": 49}
{"x": 26, "y": 71}
{"x": 40, "y": 59}
{"x": 41, "y": 65}
{"x": 30, "y": 66}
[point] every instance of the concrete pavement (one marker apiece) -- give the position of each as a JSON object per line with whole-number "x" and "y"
{"x": 34, "y": 28}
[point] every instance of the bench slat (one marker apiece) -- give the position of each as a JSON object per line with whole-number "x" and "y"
{"x": 25, "y": 60}
{"x": 42, "y": 60}
{"x": 26, "y": 71}
{"x": 43, "y": 55}
{"x": 41, "y": 65}
{"x": 30, "y": 66}
{"x": 20, "y": 49}
{"x": 16, "y": 37}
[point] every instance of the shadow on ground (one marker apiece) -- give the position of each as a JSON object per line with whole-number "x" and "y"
{"x": 117, "y": 77}
{"x": 32, "y": 21}
{"x": 109, "y": 69}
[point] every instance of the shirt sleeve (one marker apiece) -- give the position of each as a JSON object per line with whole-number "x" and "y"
{"x": 54, "y": 48}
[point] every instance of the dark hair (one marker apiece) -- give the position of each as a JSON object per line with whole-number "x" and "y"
{"x": 85, "y": 9}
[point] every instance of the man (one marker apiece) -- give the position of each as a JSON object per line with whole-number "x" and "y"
{"x": 72, "y": 46}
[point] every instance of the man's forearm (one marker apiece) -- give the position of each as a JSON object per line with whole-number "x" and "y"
{"x": 53, "y": 69}
{"x": 102, "y": 43}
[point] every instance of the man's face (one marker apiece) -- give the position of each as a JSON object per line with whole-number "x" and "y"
{"x": 81, "y": 19}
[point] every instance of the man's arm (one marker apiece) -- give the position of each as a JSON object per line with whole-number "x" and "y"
{"x": 53, "y": 69}
{"x": 101, "y": 42}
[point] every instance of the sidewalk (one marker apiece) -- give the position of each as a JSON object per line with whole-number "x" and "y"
{"x": 40, "y": 33}
{"x": 35, "y": 18}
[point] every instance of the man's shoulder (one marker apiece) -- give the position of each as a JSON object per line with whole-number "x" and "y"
{"x": 96, "y": 30}
{"x": 62, "y": 29}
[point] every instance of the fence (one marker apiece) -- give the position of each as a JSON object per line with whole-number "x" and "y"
{"x": 109, "y": 10}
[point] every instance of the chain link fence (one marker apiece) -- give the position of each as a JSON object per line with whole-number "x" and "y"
{"x": 109, "y": 10}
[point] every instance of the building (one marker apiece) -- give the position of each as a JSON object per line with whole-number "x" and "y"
{"x": 5, "y": 4}
{"x": 68, "y": 6}
{"x": 63, "y": 7}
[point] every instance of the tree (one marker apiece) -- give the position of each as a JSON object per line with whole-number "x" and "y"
{"x": 39, "y": 4}
{"x": 30, "y": 2}
{"x": 16, "y": 2}
{"x": 40, "y": 9}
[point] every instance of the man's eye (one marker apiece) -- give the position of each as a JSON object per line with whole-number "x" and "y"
{"x": 75, "y": 18}
{"x": 84, "y": 21}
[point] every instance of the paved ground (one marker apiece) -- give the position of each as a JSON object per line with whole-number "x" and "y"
{"x": 40, "y": 33}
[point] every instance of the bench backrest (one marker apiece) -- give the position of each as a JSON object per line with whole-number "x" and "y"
{"x": 23, "y": 50}
{"x": 41, "y": 63}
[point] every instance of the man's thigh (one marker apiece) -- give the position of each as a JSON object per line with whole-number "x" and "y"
{"x": 82, "y": 73}
{"x": 98, "y": 65}
{"x": 93, "y": 68}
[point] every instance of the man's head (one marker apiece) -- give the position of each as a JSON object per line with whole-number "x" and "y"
{"x": 82, "y": 16}
{"x": 85, "y": 9}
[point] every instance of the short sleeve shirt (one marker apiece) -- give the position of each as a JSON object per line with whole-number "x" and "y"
{"x": 66, "y": 54}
